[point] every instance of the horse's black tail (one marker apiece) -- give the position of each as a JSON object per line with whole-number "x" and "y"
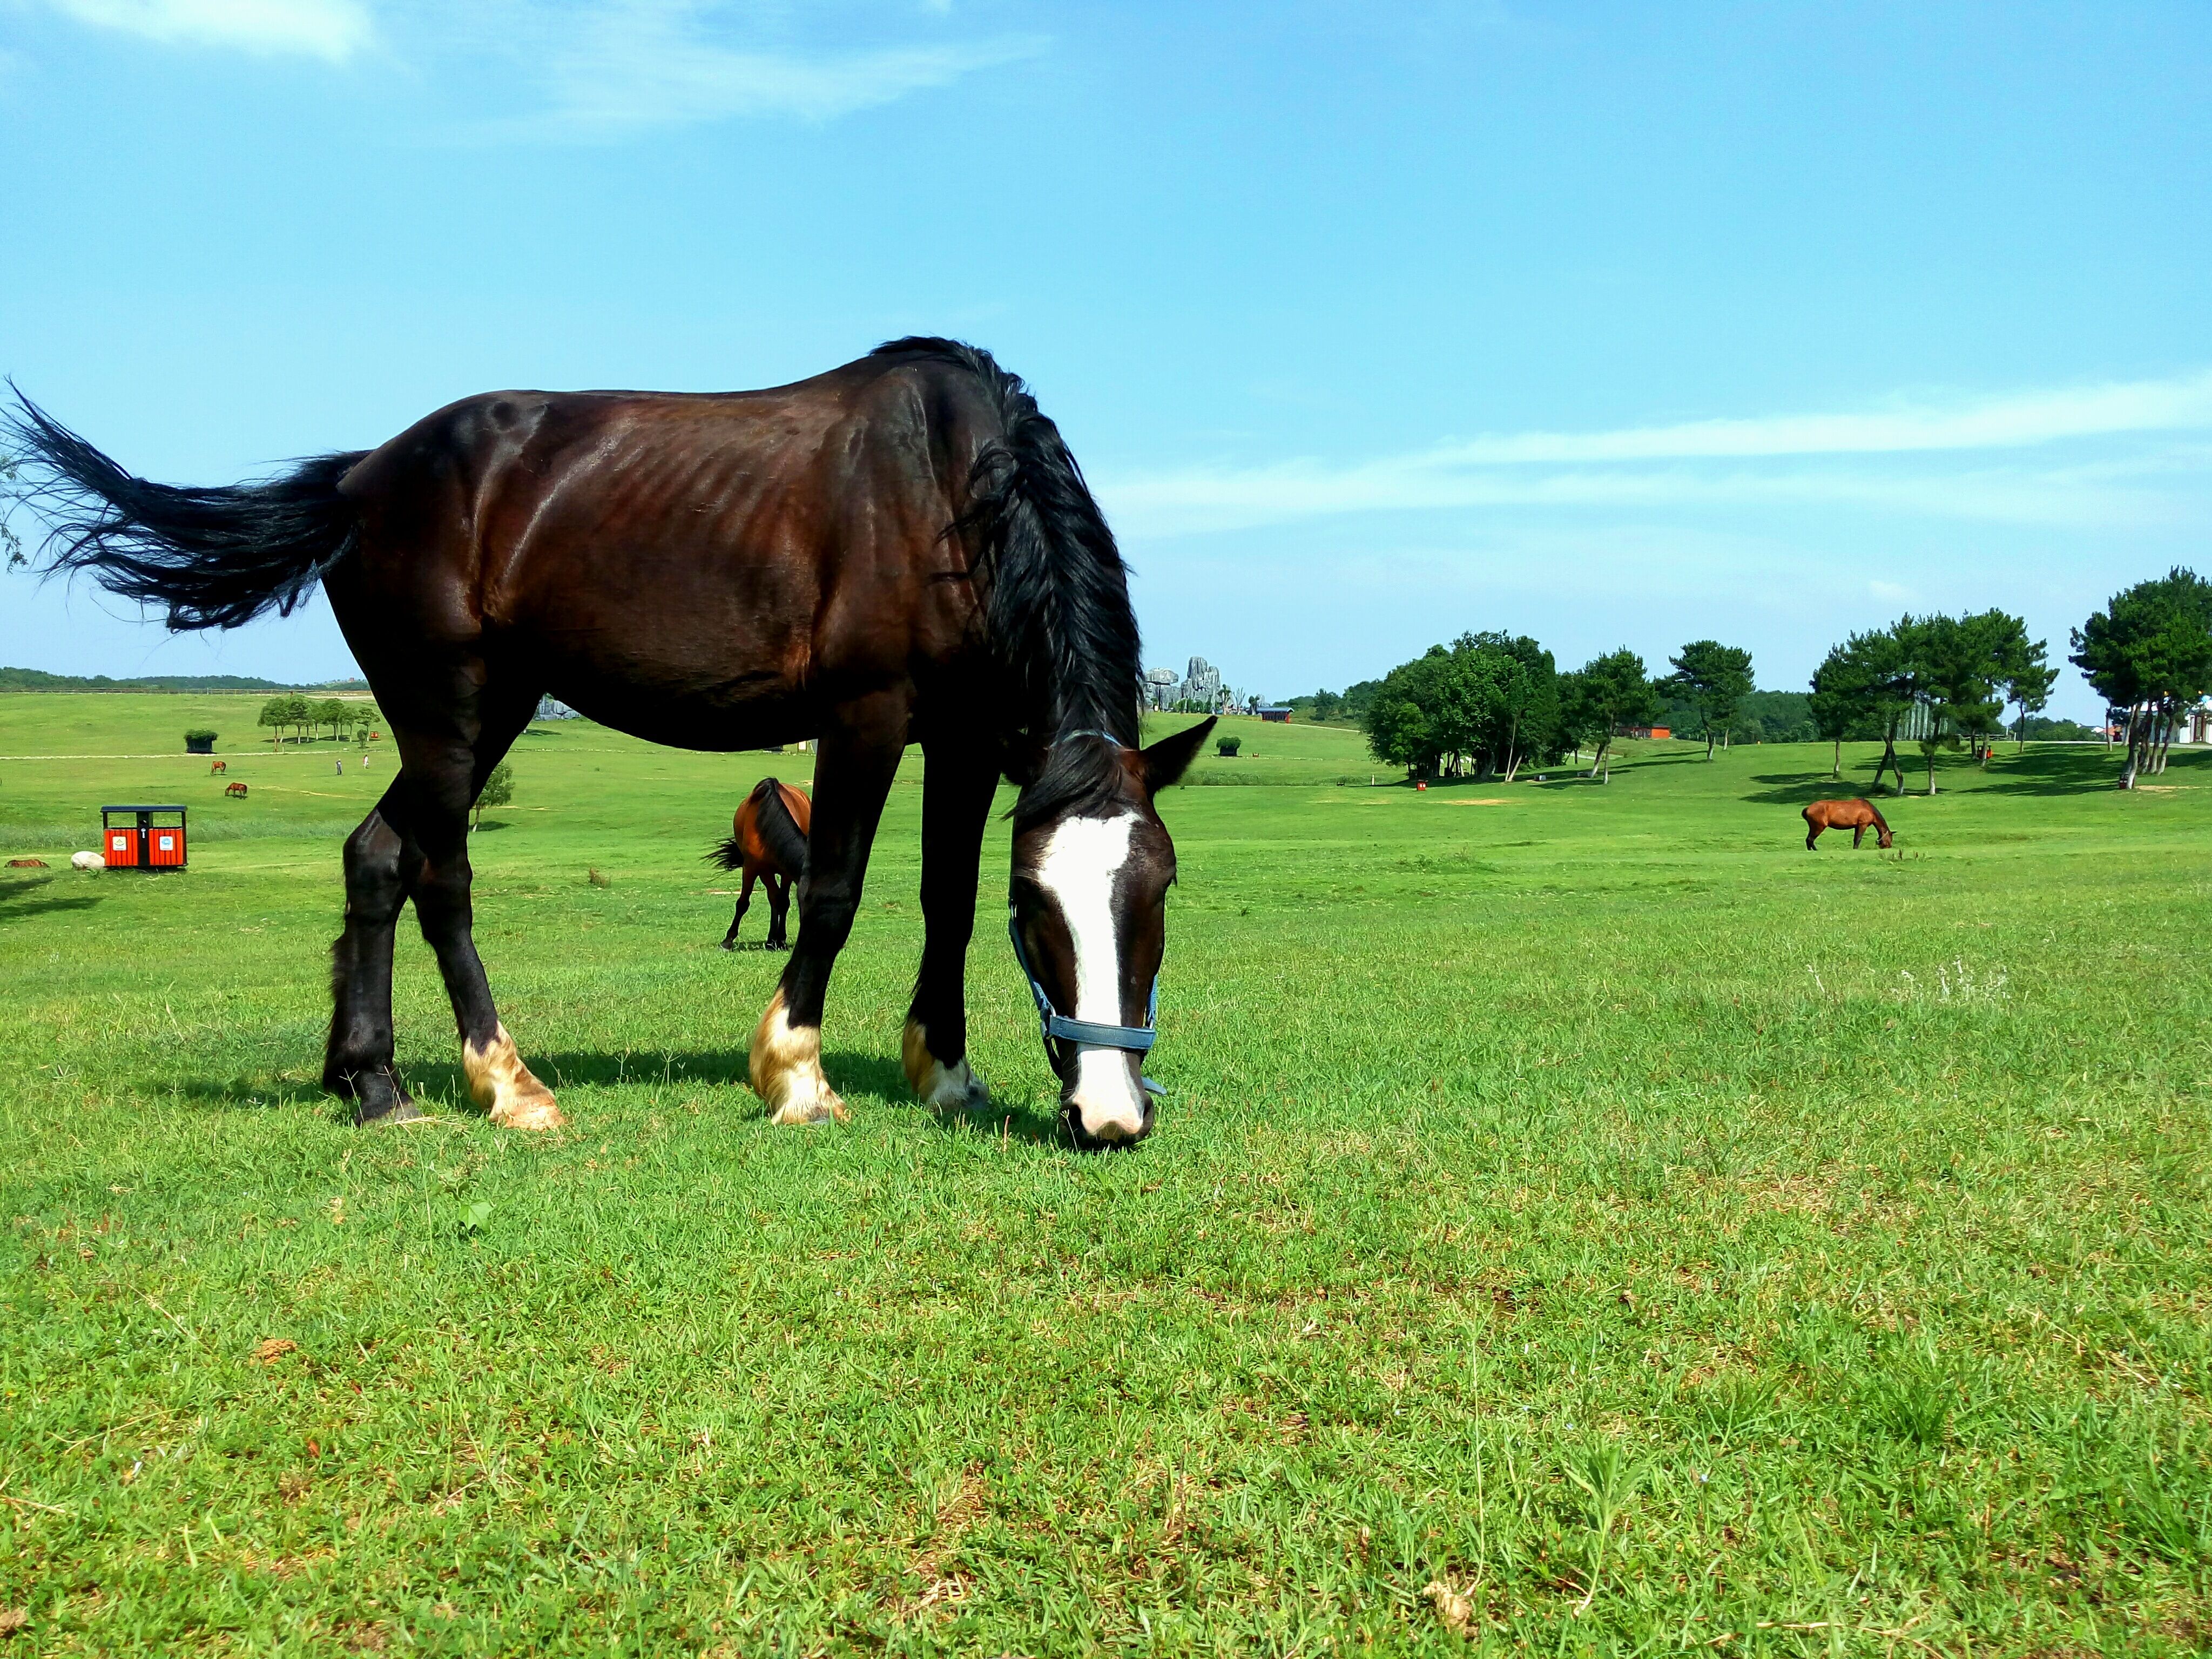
{"x": 727, "y": 855}
{"x": 1060, "y": 618}
{"x": 778, "y": 830}
{"x": 216, "y": 557}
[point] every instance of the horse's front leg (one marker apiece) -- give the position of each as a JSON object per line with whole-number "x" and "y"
{"x": 1858, "y": 835}
{"x": 859, "y": 753}
{"x": 956, "y": 806}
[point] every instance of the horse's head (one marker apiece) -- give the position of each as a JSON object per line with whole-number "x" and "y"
{"x": 1092, "y": 866}
{"x": 1881, "y": 836}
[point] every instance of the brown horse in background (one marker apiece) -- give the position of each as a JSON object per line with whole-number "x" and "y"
{"x": 768, "y": 841}
{"x": 1856, "y": 815}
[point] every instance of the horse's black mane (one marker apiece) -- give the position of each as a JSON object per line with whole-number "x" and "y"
{"x": 1059, "y": 614}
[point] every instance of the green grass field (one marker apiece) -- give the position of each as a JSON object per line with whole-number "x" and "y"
{"x": 1579, "y": 1199}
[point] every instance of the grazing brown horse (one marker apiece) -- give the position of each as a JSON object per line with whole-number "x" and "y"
{"x": 220, "y": 766}
{"x": 768, "y": 841}
{"x": 1856, "y": 815}
{"x": 902, "y": 548}
{"x": 234, "y": 790}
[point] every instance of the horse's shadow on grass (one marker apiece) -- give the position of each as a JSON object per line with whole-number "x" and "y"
{"x": 16, "y": 901}
{"x": 876, "y": 1080}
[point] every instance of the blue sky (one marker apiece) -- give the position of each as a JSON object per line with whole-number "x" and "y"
{"x": 1371, "y": 324}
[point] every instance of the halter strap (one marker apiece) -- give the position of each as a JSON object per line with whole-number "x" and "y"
{"x": 1052, "y": 1023}
{"x": 1087, "y": 732}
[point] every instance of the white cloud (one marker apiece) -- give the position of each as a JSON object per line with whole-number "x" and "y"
{"x": 640, "y": 62}
{"x": 1836, "y": 461}
{"x": 594, "y": 67}
{"x": 2016, "y": 422}
{"x": 333, "y": 30}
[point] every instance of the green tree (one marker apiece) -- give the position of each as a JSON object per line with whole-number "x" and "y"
{"x": 1838, "y": 701}
{"x": 332, "y": 713}
{"x": 1396, "y": 715}
{"x": 10, "y": 480}
{"x": 2029, "y": 688}
{"x": 1712, "y": 678}
{"x": 1524, "y": 703}
{"x": 276, "y": 715}
{"x": 300, "y": 715}
{"x": 1867, "y": 675}
{"x": 1950, "y": 666}
{"x": 2149, "y": 652}
{"x": 1605, "y": 695}
{"x": 2000, "y": 657}
{"x": 498, "y": 789}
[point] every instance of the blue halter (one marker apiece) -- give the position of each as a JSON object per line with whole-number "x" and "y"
{"x": 1051, "y": 1023}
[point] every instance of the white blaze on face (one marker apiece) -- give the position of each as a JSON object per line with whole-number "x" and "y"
{"x": 1082, "y": 862}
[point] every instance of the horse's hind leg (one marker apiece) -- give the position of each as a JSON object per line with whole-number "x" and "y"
{"x": 446, "y": 773}
{"x": 744, "y": 898}
{"x": 956, "y": 805}
{"x": 778, "y": 911}
{"x": 357, "y": 1058}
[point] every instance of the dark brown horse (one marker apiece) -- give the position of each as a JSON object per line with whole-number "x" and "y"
{"x": 767, "y": 843}
{"x": 900, "y": 549}
{"x": 1856, "y": 815}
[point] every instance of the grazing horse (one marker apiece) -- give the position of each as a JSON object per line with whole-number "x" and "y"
{"x": 900, "y": 548}
{"x": 234, "y": 791}
{"x": 220, "y": 766}
{"x": 768, "y": 841}
{"x": 1856, "y": 815}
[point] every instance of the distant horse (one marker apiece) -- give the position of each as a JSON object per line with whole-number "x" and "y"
{"x": 1856, "y": 815}
{"x": 768, "y": 841}
{"x": 234, "y": 791}
{"x": 220, "y": 766}
{"x": 901, "y": 550}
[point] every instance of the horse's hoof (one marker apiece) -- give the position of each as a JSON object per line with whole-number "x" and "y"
{"x": 729, "y": 944}
{"x": 825, "y": 1108}
{"x": 402, "y": 1110}
{"x": 506, "y": 1088}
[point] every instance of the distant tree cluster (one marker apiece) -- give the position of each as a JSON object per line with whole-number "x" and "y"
{"x": 1941, "y": 682}
{"x": 1489, "y": 705}
{"x": 305, "y": 717}
{"x": 1485, "y": 704}
{"x": 2148, "y": 653}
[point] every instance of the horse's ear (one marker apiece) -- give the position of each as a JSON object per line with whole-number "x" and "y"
{"x": 1166, "y": 761}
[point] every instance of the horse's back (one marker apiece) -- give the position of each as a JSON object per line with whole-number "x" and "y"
{"x": 800, "y": 808}
{"x": 694, "y": 569}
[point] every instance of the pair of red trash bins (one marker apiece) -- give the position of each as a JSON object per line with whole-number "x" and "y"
{"x": 141, "y": 843}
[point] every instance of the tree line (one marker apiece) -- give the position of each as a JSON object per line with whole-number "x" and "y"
{"x": 1491, "y": 704}
{"x": 304, "y": 717}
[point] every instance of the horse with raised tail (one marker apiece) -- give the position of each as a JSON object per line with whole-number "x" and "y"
{"x": 900, "y": 549}
{"x": 767, "y": 843}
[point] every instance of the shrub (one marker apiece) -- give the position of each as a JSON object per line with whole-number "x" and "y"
{"x": 199, "y": 740}
{"x": 498, "y": 789}
{"x": 1227, "y": 747}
